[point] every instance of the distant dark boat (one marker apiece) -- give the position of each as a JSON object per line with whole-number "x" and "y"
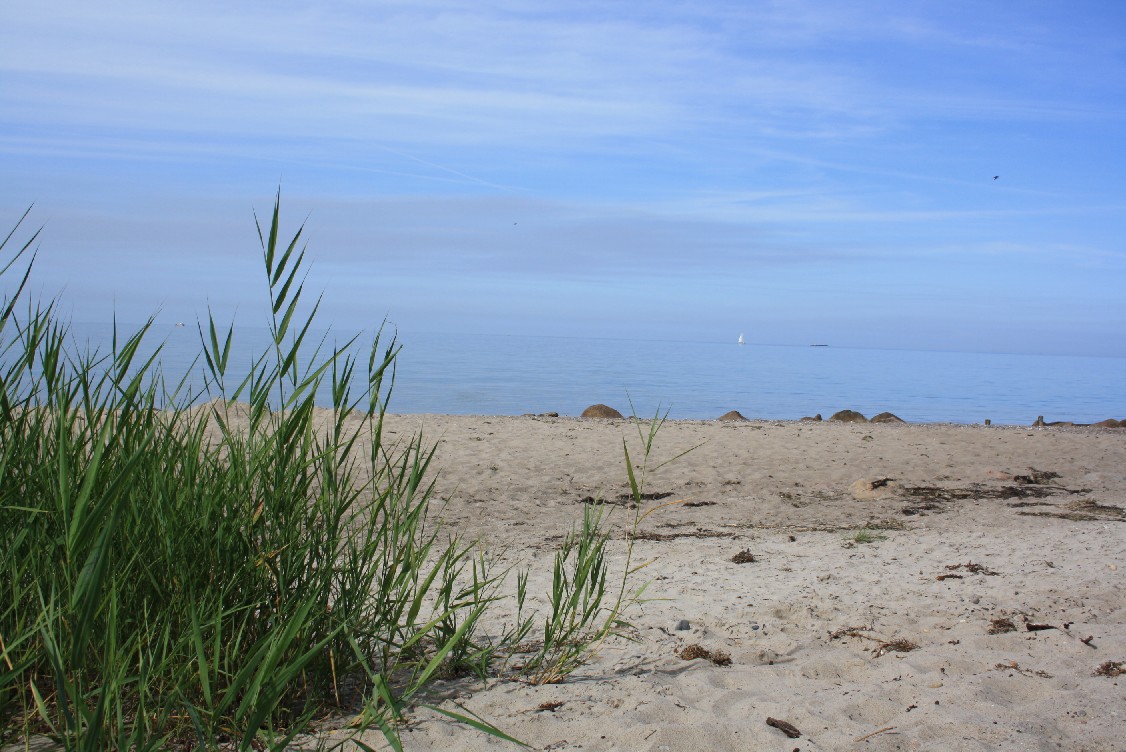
{"x": 818, "y": 345}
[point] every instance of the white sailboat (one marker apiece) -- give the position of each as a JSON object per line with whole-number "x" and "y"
{"x": 742, "y": 340}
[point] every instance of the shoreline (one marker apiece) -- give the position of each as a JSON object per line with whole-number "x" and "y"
{"x": 626, "y": 419}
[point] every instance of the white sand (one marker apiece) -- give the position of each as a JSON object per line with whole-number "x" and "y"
{"x": 784, "y": 492}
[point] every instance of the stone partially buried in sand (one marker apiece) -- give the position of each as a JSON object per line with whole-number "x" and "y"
{"x": 849, "y": 416}
{"x": 867, "y": 489}
{"x": 886, "y": 418}
{"x": 732, "y": 415}
{"x": 601, "y": 411}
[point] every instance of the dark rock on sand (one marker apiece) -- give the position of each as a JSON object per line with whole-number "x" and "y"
{"x": 601, "y": 411}
{"x": 733, "y": 415}
{"x": 849, "y": 416}
{"x": 886, "y": 418}
{"x": 1039, "y": 422}
{"x": 815, "y": 418}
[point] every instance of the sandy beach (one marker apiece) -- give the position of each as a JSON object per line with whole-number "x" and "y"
{"x": 875, "y": 587}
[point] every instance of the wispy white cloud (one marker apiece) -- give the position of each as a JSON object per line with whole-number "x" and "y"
{"x": 486, "y": 73}
{"x": 589, "y": 142}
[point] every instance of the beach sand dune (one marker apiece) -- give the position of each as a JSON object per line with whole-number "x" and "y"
{"x": 894, "y": 587}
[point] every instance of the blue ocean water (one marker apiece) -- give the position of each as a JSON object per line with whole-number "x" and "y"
{"x": 512, "y": 375}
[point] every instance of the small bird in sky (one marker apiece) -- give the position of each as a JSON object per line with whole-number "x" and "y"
{"x": 996, "y": 176}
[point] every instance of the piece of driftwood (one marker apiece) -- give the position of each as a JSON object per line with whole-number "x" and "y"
{"x": 786, "y": 728}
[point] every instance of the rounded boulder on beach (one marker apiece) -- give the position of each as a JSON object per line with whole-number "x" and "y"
{"x": 601, "y": 411}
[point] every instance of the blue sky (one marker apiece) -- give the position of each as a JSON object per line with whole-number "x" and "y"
{"x": 800, "y": 171}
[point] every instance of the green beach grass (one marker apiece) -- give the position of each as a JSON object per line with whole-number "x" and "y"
{"x": 224, "y": 568}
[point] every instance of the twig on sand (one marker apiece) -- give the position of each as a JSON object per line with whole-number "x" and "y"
{"x": 869, "y": 736}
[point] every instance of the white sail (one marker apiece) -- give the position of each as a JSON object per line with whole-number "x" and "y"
{"x": 742, "y": 341}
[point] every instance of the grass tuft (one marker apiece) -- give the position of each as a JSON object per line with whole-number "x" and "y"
{"x": 866, "y": 535}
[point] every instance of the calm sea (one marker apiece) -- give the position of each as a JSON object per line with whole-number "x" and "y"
{"x": 512, "y": 375}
